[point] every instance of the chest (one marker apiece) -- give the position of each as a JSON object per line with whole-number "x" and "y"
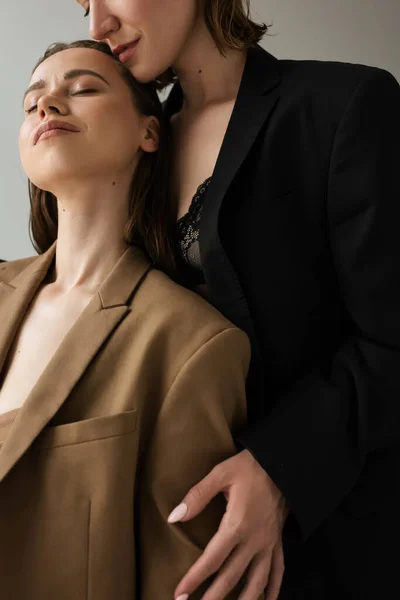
{"x": 42, "y": 330}
{"x": 197, "y": 141}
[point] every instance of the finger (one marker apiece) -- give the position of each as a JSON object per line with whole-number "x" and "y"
{"x": 257, "y": 577}
{"x": 215, "y": 554}
{"x": 230, "y": 574}
{"x": 198, "y": 497}
{"x": 276, "y": 574}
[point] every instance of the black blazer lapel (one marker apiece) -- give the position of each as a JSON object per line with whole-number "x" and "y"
{"x": 258, "y": 96}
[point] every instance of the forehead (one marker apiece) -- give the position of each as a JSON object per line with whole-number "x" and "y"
{"x": 77, "y": 58}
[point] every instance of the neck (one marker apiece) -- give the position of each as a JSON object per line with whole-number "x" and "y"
{"x": 206, "y": 76}
{"x": 91, "y": 221}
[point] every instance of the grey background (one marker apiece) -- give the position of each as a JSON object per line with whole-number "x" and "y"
{"x": 363, "y": 31}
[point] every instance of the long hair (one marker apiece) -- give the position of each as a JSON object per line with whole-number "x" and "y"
{"x": 151, "y": 215}
{"x": 231, "y": 27}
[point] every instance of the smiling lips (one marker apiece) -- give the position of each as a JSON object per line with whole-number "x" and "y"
{"x": 51, "y": 128}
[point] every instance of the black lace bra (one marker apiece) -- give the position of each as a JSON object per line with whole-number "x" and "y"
{"x": 188, "y": 235}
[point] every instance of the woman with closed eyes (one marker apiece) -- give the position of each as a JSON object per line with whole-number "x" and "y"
{"x": 119, "y": 389}
{"x": 285, "y": 179}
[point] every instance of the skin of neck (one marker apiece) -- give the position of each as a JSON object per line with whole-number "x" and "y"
{"x": 92, "y": 215}
{"x": 205, "y": 75}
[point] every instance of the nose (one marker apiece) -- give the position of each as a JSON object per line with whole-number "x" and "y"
{"x": 48, "y": 105}
{"x": 102, "y": 23}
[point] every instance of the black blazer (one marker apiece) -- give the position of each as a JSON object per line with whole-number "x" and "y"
{"x": 300, "y": 246}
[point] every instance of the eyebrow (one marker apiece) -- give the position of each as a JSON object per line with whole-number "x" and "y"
{"x": 73, "y": 74}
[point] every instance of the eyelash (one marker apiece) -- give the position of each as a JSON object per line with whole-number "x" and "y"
{"x": 87, "y": 13}
{"x": 86, "y": 91}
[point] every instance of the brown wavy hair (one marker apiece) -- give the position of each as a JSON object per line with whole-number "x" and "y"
{"x": 151, "y": 213}
{"x": 231, "y": 27}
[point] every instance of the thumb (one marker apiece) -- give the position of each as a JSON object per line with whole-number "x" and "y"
{"x": 198, "y": 497}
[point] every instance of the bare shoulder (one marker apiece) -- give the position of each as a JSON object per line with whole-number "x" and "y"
{"x": 9, "y": 270}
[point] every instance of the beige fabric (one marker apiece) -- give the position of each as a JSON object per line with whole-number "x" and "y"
{"x": 138, "y": 404}
{"x": 6, "y": 421}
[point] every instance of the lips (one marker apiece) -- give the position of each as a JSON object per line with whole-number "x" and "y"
{"x": 53, "y": 124}
{"x": 125, "y": 49}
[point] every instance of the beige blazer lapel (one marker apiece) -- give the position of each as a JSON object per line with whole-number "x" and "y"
{"x": 16, "y": 295}
{"x": 104, "y": 313}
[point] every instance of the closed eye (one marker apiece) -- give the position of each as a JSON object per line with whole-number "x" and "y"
{"x": 87, "y": 91}
{"x": 80, "y": 92}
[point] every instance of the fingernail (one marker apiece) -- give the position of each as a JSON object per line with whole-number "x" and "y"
{"x": 177, "y": 514}
{"x": 183, "y": 597}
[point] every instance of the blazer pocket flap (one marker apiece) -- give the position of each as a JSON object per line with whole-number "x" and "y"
{"x": 89, "y": 430}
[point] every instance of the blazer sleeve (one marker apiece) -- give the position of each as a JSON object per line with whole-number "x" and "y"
{"x": 319, "y": 436}
{"x": 193, "y": 433}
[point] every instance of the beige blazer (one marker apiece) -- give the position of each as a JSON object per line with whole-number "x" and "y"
{"x": 138, "y": 403}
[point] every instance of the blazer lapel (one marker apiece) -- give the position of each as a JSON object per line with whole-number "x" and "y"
{"x": 15, "y": 297}
{"x": 104, "y": 313}
{"x": 258, "y": 95}
{"x": 257, "y": 98}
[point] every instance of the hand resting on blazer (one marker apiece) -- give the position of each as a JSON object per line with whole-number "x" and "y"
{"x": 139, "y": 402}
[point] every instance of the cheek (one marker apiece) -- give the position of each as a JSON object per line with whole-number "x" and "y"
{"x": 24, "y": 141}
{"x": 133, "y": 13}
{"x": 23, "y": 134}
{"x": 118, "y": 131}
{"x": 166, "y": 31}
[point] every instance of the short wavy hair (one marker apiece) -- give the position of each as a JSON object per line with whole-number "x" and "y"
{"x": 231, "y": 27}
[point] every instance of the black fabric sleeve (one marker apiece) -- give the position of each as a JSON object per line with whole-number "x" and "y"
{"x": 316, "y": 441}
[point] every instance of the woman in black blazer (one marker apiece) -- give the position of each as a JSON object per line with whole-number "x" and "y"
{"x": 294, "y": 237}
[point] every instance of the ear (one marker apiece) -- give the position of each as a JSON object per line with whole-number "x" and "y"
{"x": 150, "y": 134}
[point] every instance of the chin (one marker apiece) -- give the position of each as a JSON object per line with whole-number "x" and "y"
{"x": 50, "y": 178}
{"x": 43, "y": 183}
{"x": 144, "y": 73}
